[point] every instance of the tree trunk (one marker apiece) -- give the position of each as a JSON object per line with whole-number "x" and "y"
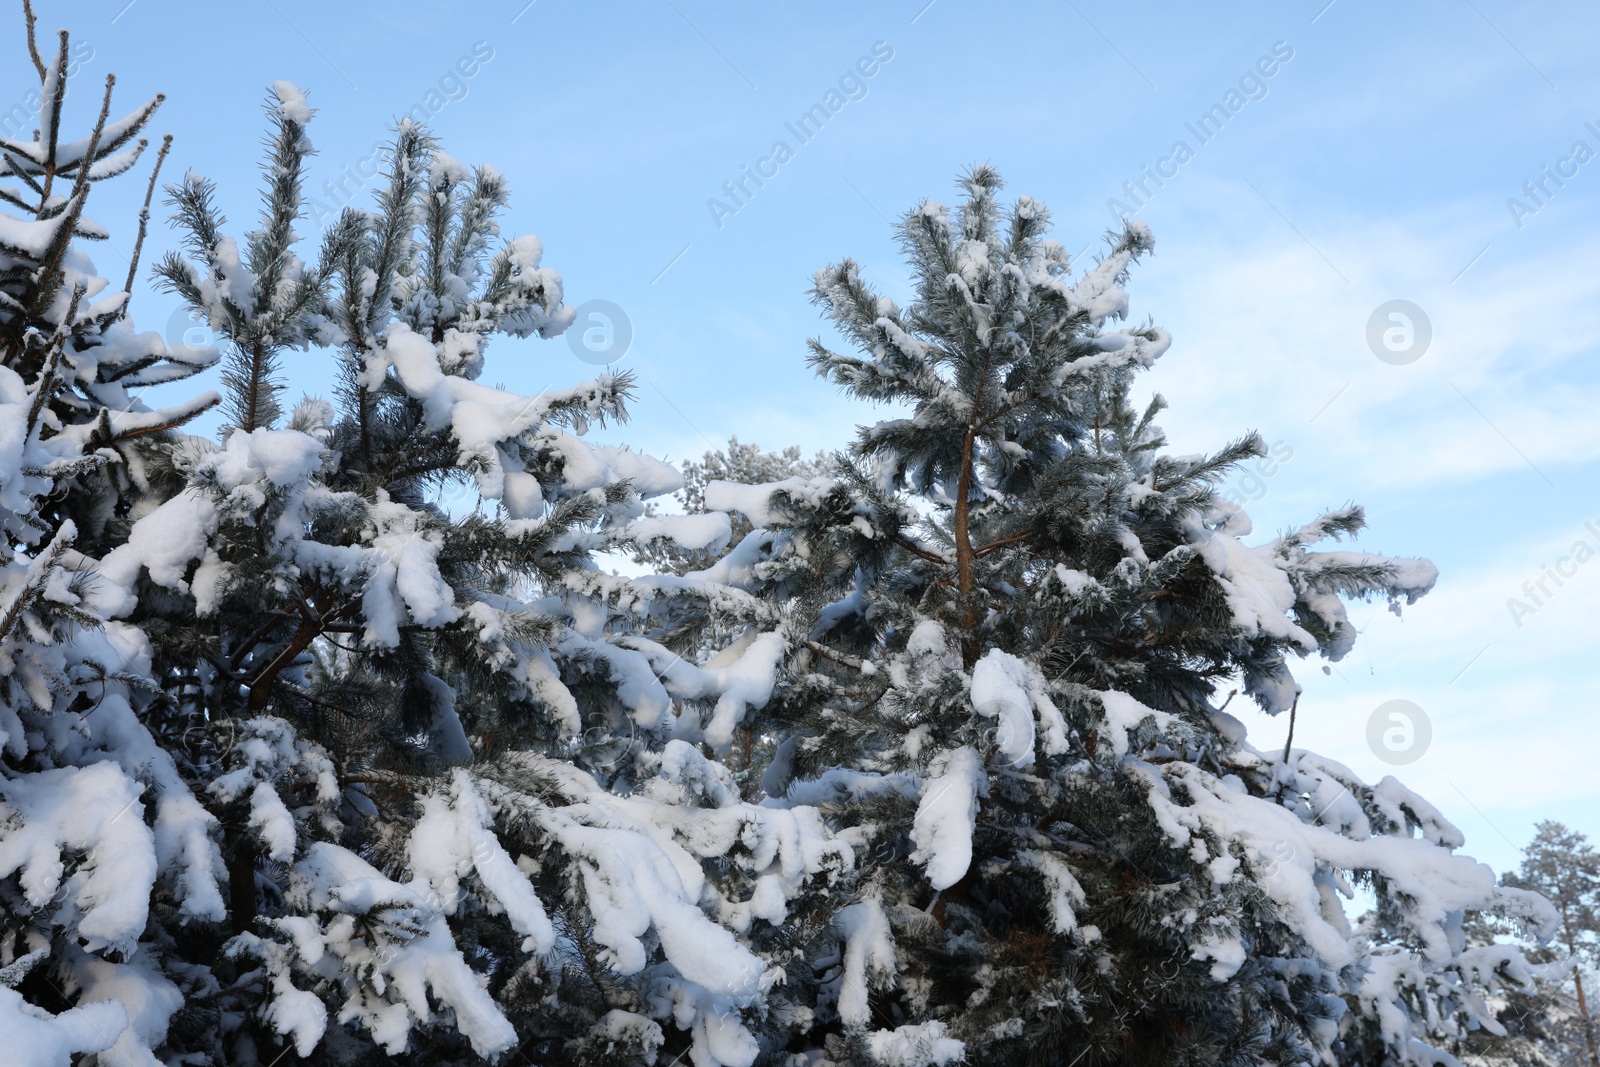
{"x": 965, "y": 582}
{"x": 261, "y": 686}
{"x": 241, "y": 884}
{"x": 1577, "y": 980}
{"x": 1588, "y": 1024}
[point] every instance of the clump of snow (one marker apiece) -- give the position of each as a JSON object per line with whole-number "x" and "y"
{"x": 147, "y": 997}
{"x": 1122, "y": 714}
{"x": 454, "y": 837}
{"x": 927, "y": 639}
{"x": 1288, "y": 855}
{"x": 692, "y": 533}
{"x": 292, "y": 102}
{"x": 38, "y": 1039}
{"x": 997, "y": 693}
{"x": 620, "y": 1032}
{"x": 271, "y": 819}
{"x": 406, "y": 945}
{"x": 946, "y": 817}
{"x": 1066, "y": 895}
{"x": 756, "y": 502}
{"x": 93, "y": 812}
{"x": 869, "y": 958}
{"x": 920, "y": 1045}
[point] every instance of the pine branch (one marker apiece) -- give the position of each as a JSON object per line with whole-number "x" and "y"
{"x": 33, "y": 46}
{"x": 144, "y": 220}
{"x": 52, "y": 123}
{"x": 51, "y": 267}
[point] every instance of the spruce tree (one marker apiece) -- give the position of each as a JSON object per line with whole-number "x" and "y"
{"x": 1009, "y": 613}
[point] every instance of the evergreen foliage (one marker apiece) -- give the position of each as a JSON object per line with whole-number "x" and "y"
{"x": 333, "y": 740}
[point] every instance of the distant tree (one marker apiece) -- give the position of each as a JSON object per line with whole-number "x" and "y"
{"x": 738, "y": 463}
{"x": 1532, "y": 1025}
{"x": 1564, "y": 867}
{"x": 745, "y": 465}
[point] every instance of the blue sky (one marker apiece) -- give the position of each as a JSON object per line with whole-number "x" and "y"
{"x": 1375, "y": 163}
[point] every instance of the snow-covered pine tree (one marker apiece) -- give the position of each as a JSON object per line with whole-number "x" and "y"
{"x": 452, "y": 760}
{"x": 1008, "y": 612}
{"x": 98, "y": 832}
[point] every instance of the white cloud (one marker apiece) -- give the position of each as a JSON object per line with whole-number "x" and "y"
{"x": 1266, "y": 334}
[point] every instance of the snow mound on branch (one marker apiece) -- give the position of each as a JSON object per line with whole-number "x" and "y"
{"x": 396, "y": 964}
{"x": 271, "y": 819}
{"x": 869, "y": 958}
{"x": 1267, "y": 586}
{"x": 755, "y": 501}
{"x": 168, "y": 540}
{"x": 693, "y": 533}
{"x": 454, "y": 837}
{"x": 649, "y": 476}
{"x": 625, "y": 1030}
{"x": 1122, "y": 714}
{"x": 19, "y": 452}
{"x": 1066, "y": 894}
{"x": 51, "y": 815}
{"x": 278, "y": 458}
{"x": 292, "y": 102}
{"x": 1290, "y": 856}
{"x": 1000, "y": 690}
{"x": 921, "y": 1045}
{"x": 35, "y": 1038}
{"x": 741, "y": 677}
{"x": 404, "y": 582}
{"x": 946, "y": 816}
{"x": 482, "y": 419}
{"x": 746, "y": 682}
{"x": 777, "y": 849}
{"x": 927, "y": 639}
{"x": 643, "y": 859}
{"x": 1258, "y": 593}
{"x": 144, "y": 994}
{"x": 164, "y": 542}
{"x": 632, "y": 890}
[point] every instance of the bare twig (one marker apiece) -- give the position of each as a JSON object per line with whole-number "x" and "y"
{"x": 838, "y": 657}
{"x": 1004, "y": 542}
{"x": 918, "y": 550}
